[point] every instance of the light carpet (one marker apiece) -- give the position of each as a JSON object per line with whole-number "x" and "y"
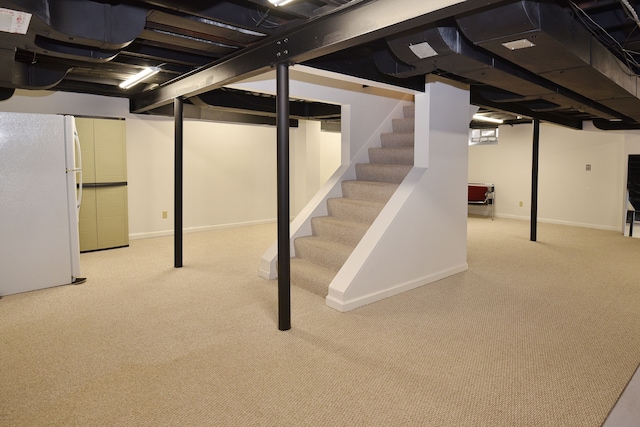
{"x": 534, "y": 334}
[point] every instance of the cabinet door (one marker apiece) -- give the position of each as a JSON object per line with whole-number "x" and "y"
{"x": 110, "y": 150}
{"x": 87, "y": 223}
{"x": 112, "y": 220}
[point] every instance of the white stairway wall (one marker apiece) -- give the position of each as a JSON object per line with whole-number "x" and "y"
{"x": 421, "y": 234}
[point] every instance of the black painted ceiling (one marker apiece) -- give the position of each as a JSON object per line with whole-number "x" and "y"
{"x": 581, "y": 63}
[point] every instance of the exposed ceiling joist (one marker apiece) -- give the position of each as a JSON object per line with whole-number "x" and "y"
{"x": 347, "y": 27}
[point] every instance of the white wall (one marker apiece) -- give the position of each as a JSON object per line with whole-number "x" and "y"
{"x": 229, "y": 169}
{"x": 421, "y": 234}
{"x": 567, "y": 193}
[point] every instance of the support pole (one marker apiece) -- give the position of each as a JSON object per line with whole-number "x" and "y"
{"x": 177, "y": 191}
{"x": 534, "y": 180}
{"x": 284, "y": 252}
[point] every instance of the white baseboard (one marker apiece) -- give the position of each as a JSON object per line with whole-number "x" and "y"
{"x": 162, "y": 233}
{"x": 561, "y": 222}
{"x": 344, "y": 305}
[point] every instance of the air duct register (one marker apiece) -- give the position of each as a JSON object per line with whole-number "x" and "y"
{"x": 423, "y": 50}
{"x": 13, "y": 21}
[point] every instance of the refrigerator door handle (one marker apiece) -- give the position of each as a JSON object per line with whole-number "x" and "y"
{"x": 78, "y": 168}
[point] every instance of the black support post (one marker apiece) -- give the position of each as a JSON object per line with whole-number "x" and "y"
{"x": 284, "y": 252}
{"x": 177, "y": 194}
{"x": 534, "y": 180}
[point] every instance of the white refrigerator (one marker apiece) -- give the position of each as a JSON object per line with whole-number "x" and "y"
{"x": 39, "y": 202}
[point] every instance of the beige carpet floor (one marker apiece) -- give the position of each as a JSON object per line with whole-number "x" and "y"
{"x": 534, "y": 334}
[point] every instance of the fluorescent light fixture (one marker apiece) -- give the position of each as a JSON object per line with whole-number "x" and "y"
{"x": 518, "y": 44}
{"x": 279, "y": 2}
{"x": 142, "y": 75}
{"x": 423, "y": 50}
{"x": 482, "y": 118}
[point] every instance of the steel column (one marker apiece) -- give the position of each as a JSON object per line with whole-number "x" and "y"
{"x": 177, "y": 191}
{"x": 534, "y": 180}
{"x": 284, "y": 251}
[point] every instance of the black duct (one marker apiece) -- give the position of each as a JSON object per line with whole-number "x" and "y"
{"x": 504, "y": 82}
{"x": 545, "y": 40}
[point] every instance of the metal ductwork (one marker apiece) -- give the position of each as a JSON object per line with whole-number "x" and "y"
{"x": 447, "y": 50}
{"x": 76, "y": 30}
{"x": 545, "y": 40}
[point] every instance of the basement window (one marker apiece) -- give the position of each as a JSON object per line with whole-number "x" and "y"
{"x": 483, "y": 136}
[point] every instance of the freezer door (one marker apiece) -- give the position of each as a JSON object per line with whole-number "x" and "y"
{"x": 36, "y": 229}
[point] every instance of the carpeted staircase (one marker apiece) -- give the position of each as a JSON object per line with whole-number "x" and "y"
{"x": 320, "y": 256}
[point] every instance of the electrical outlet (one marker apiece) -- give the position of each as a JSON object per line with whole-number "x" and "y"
{"x": 164, "y": 214}
{"x": 521, "y": 203}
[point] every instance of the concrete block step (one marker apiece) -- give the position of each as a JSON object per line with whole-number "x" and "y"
{"x": 382, "y": 172}
{"x": 369, "y": 190}
{"x": 311, "y": 277}
{"x": 339, "y": 230}
{"x": 353, "y": 209}
{"x": 397, "y": 139}
{"x": 403, "y": 125}
{"x": 397, "y": 156}
{"x": 326, "y": 253}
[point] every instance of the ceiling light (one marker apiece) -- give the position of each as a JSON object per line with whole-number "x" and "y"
{"x": 142, "y": 75}
{"x": 482, "y": 118}
{"x": 423, "y": 50}
{"x": 518, "y": 44}
{"x": 279, "y": 2}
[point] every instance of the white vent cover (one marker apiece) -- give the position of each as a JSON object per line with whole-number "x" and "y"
{"x": 13, "y": 21}
{"x": 422, "y": 50}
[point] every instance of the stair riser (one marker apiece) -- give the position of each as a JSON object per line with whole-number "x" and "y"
{"x": 364, "y": 190}
{"x": 409, "y": 111}
{"x": 340, "y": 208}
{"x": 403, "y": 125}
{"x": 382, "y": 173}
{"x": 396, "y": 156}
{"x": 308, "y": 251}
{"x": 345, "y": 234}
{"x": 310, "y": 278}
{"x": 396, "y": 140}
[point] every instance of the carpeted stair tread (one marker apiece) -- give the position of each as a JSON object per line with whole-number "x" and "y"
{"x": 353, "y": 209}
{"x": 403, "y": 125}
{"x": 311, "y": 277}
{"x": 320, "y": 256}
{"x": 396, "y": 155}
{"x": 339, "y": 230}
{"x": 397, "y": 139}
{"x": 382, "y": 172}
{"x": 373, "y": 191}
{"x": 326, "y": 253}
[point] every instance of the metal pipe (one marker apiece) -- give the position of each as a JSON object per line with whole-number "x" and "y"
{"x": 534, "y": 179}
{"x": 284, "y": 252}
{"x": 177, "y": 192}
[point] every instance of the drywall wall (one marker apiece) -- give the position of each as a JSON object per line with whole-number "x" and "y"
{"x": 567, "y": 192}
{"x": 421, "y": 234}
{"x": 229, "y": 169}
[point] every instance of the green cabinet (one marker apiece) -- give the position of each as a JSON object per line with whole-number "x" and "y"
{"x": 103, "y": 219}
